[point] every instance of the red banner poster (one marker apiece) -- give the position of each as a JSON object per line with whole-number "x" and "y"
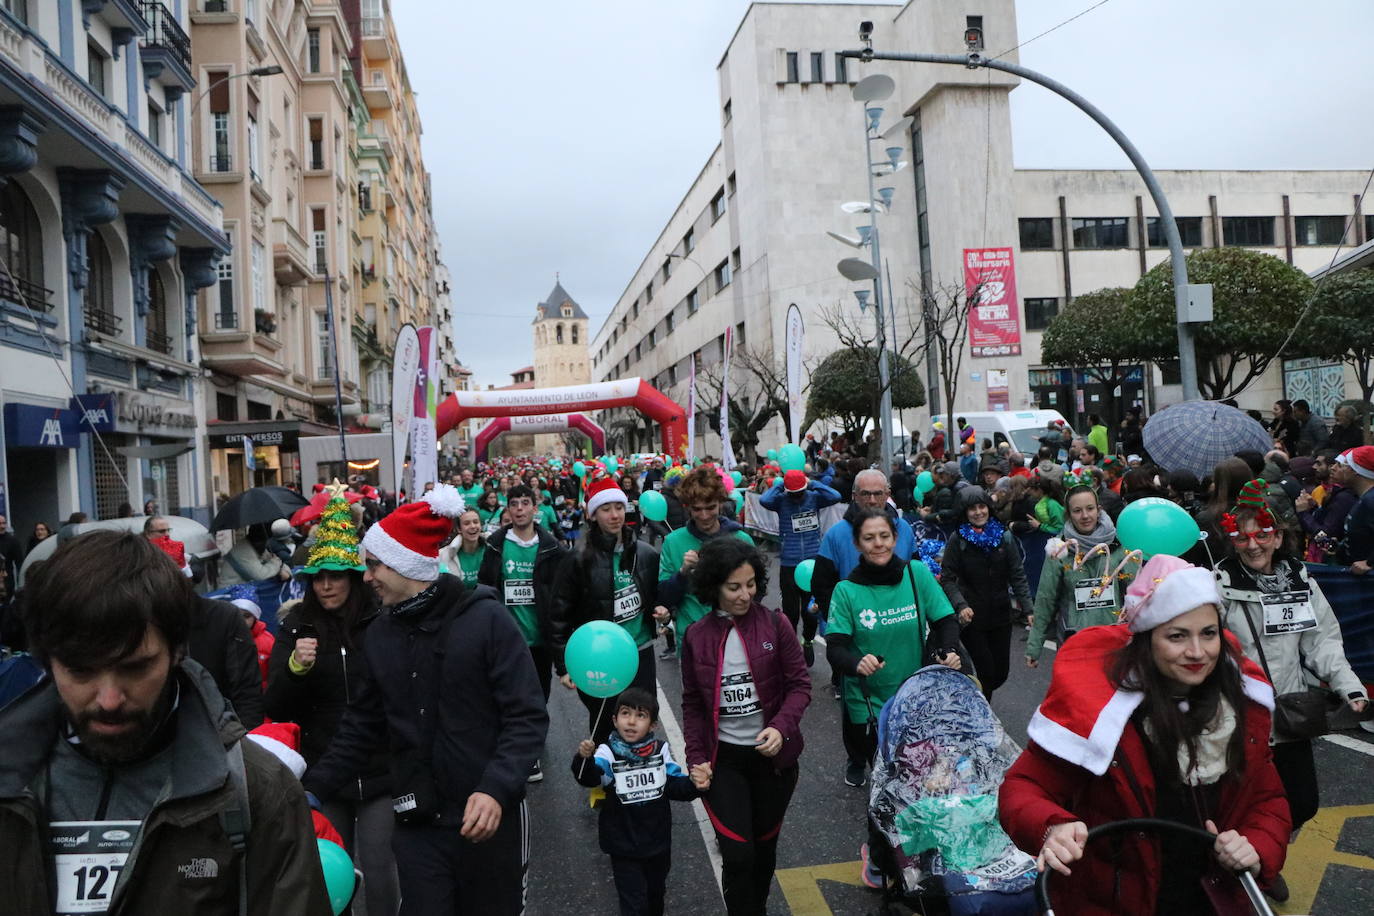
{"x": 994, "y": 328}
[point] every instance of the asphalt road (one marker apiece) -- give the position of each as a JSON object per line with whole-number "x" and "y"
{"x": 1330, "y": 868}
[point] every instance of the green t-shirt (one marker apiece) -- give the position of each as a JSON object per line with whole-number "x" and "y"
{"x": 675, "y": 546}
{"x": 471, "y": 494}
{"x": 886, "y": 620}
{"x": 468, "y": 564}
{"x": 548, "y": 519}
{"x": 517, "y": 573}
{"x": 491, "y": 519}
{"x": 627, "y": 605}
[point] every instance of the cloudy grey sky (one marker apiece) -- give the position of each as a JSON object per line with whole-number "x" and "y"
{"x": 561, "y": 136}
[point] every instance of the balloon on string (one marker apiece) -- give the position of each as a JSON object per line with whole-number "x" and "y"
{"x": 612, "y": 463}
{"x": 579, "y": 469}
{"x": 802, "y": 574}
{"x": 602, "y": 658}
{"x": 653, "y": 506}
{"x": 1156, "y": 525}
{"x": 925, "y": 482}
{"x": 338, "y": 875}
{"x": 791, "y": 457}
{"x": 772, "y": 454}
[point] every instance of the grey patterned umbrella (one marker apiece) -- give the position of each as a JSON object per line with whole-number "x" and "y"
{"x": 1197, "y": 435}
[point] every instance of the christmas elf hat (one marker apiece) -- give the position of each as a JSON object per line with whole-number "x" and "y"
{"x": 336, "y": 540}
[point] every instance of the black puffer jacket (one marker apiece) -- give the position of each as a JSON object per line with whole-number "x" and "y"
{"x": 223, "y": 644}
{"x": 546, "y": 562}
{"x": 585, "y": 585}
{"x": 317, "y": 699}
{"x": 979, "y": 580}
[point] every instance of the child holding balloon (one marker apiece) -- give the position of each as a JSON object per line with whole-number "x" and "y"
{"x": 640, "y": 776}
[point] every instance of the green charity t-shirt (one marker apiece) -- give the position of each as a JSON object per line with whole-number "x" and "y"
{"x": 468, "y": 564}
{"x": 471, "y": 494}
{"x": 675, "y": 547}
{"x": 548, "y": 519}
{"x": 517, "y": 573}
{"x": 886, "y": 620}
{"x": 627, "y": 605}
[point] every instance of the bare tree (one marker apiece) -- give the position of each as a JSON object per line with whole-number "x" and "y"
{"x": 758, "y": 392}
{"x": 860, "y": 337}
{"x": 942, "y": 326}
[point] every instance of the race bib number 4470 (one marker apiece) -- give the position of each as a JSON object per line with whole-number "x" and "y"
{"x": 88, "y": 857}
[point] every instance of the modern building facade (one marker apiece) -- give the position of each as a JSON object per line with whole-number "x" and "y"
{"x": 107, "y": 239}
{"x": 750, "y": 235}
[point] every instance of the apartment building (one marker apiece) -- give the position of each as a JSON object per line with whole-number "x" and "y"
{"x": 750, "y": 235}
{"x": 106, "y": 239}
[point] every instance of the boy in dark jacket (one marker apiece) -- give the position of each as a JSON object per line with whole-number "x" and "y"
{"x": 640, "y": 776}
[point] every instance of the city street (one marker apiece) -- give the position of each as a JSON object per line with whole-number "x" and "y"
{"x": 1330, "y": 869}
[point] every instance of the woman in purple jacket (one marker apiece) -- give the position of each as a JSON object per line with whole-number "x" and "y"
{"x": 744, "y": 689}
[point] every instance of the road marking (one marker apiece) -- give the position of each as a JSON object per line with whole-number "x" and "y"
{"x": 708, "y": 833}
{"x": 802, "y": 890}
{"x": 1349, "y": 743}
{"x": 1315, "y": 849}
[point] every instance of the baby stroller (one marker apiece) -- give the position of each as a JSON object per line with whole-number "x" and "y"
{"x": 933, "y": 825}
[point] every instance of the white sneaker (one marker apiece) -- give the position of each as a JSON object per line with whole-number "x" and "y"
{"x": 536, "y": 774}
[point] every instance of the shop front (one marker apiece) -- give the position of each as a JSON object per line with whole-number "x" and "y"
{"x": 39, "y": 443}
{"x": 257, "y": 453}
{"x": 144, "y": 458}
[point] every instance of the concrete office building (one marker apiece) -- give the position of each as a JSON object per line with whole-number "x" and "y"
{"x": 749, "y": 237}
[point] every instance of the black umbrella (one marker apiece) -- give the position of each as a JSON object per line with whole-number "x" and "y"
{"x": 258, "y": 506}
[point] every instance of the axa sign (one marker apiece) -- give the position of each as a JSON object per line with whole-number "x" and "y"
{"x": 95, "y": 412}
{"x": 35, "y": 426}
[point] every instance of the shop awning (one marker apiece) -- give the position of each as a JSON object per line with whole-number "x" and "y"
{"x": 156, "y": 452}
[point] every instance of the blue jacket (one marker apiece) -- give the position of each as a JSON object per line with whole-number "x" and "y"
{"x": 968, "y": 467}
{"x": 839, "y": 557}
{"x": 798, "y": 545}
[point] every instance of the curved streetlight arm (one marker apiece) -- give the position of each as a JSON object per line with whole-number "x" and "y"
{"x": 1187, "y": 359}
{"x": 271, "y": 70}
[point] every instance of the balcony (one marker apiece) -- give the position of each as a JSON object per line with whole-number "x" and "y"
{"x": 365, "y": 197}
{"x": 376, "y": 93}
{"x": 221, "y": 162}
{"x": 241, "y": 354}
{"x": 291, "y": 260}
{"x": 103, "y": 322}
{"x": 23, "y": 293}
{"x": 166, "y": 48}
{"x": 161, "y": 343}
{"x": 375, "y": 45}
{"x": 226, "y": 321}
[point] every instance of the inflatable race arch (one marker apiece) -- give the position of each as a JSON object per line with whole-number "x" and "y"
{"x": 539, "y": 423}
{"x": 526, "y": 402}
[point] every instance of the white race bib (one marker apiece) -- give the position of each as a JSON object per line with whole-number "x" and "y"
{"x": 519, "y": 591}
{"x": 640, "y": 780}
{"x": 737, "y": 695}
{"x": 1085, "y": 600}
{"x": 805, "y": 521}
{"x": 88, "y": 857}
{"x": 625, "y": 604}
{"x": 658, "y": 485}
{"x": 1288, "y": 612}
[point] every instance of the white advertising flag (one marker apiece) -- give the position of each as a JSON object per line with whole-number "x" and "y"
{"x": 796, "y": 339}
{"x": 405, "y": 365}
{"x": 424, "y": 448}
{"x": 727, "y": 453}
{"x": 692, "y": 411}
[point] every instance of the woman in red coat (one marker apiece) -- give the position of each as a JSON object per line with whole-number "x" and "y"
{"x": 1160, "y": 716}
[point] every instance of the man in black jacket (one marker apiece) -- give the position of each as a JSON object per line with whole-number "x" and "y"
{"x": 223, "y": 645}
{"x": 449, "y": 687}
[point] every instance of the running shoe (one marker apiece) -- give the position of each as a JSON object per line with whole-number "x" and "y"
{"x": 536, "y": 773}
{"x": 871, "y": 875}
{"x": 854, "y": 775}
{"x": 1278, "y": 891}
{"x": 809, "y": 653}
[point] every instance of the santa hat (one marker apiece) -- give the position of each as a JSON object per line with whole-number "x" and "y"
{"x": 1360, "y": 460}
{"x": 794, "y": 481}
{"x": 408, "y": 540}
{"x": 604, "y": 491}
{"x": 1165, "y": 588}
{"x": 283, "y": 741}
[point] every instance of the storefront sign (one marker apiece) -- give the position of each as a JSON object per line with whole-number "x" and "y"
{"x": 96, "y": 412}
{"x": 994, "y": 324}
{"x": 151, "y": 415}
{"x": 32, "y": 426}
{"x": 286, "y": 439}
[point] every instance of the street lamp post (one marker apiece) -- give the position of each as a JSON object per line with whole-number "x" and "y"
{"x": 1191, "y": 303}
{"x": 271, "y": 70}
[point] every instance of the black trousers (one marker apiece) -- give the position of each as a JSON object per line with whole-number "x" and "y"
{"x": 990, "y": 652}
{"x": 1298, "y": 773}
{"x": 543, "y": 666}
{"x": 600, "y": 725}
{"x": 641, "y": 884}
{"x": 746, "y": 803}
{"x": 860, "y": 745}
{"x": 794, "y": 602}
{"x": 443, "y": 874}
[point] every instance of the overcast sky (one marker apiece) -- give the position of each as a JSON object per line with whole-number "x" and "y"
{"x": 561, "y": 136}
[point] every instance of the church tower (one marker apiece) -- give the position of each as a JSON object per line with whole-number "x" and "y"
{"x": 560, "y": 351}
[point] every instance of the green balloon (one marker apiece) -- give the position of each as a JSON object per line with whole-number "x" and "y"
{"x": 579, "y": 469}
{"x": 737, "y": 477}
{"x": 338, "y": 874}
{"x": 792, "y": 458}
{"x": 777, "y": 481}
{"x": 772, "y": 454}
{"x": 1156, "y": 525}
{"x": 925, "y": 482}
{"x": 602, "y": 658}
{"x": 738, "y": 497}
{"x": 653, "y": 506}
{"x": 612, "y": 463}
{"x": 802, "y": 574}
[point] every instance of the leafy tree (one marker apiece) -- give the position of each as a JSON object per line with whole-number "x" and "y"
{"x": 1096, "y": 334}
{"x": 1256, "y": 300}
{"x": 845, "y": 386}
{"x": 1340, "y": 325}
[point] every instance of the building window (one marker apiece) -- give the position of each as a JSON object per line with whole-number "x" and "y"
{"x": 320, "y": 239}
{"x": 725, "y": 113}
{"x": 722, "y": 275}
{"x": 95, "y": 68}
{"x": 312, "y": 54}
{"x": 693, "y": 302}
{"x": 226, "y": 406}
{"x": 739, "y": 335}
{"x": 652, "y": 340}
{"x": 1369, "y": 227}
{"x": 259, "y": 269}
{"x": 667, "y": 269}
{"x": 219, "y": 120}
{"x": 19, "y": 9}
{"x": 1039, "y": 312}
{"x": 1319, "y": 230}
{"x": 634, "y": 309}
{"x": 1189, "y": 230}
{"x": 324, "y": 354}
{"x": 21, "y": 246}
{"x": 226, "y": 316}
{"x": 558, "y": 334}
{"x": 1099, "y": 232}
{"x": 250, "y": 11}
{"x": 841, "y": 68}
{"x": 792, "y": 75}
{"x": 254, "y": 156}
{"x": 817, "y": 67}
{"x": 689, "y": 241}
{"x": 155, "y": 325}
{"x": 667, "y": 324}
{"x": 1247, "y": 230}
{"x": 1037, "y": 233}
{"x": 718, "y": 205}
{"x": 154, "y": 130}
{"x": 316, "y": 144}
{"x": 98, "y": 296}
{"x": 734, "y": 261}
{"x": 574, "y": 333}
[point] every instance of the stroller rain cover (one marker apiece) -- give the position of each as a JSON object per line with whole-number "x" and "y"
{"x": 942, "y": 754}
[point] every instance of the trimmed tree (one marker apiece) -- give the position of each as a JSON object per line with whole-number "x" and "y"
{"x": 1097, "y": 334}
{"x": 1256, "y": 300}
{"x": 1340, "y": 325}
{"x": 845, "y": 387}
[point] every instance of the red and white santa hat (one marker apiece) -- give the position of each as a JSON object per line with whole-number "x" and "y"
{"x": 1165, "y": 588}
{"x": 1360, "y": 460}
{"x": 283, "y": 741}
{"x": 604, "y": 491}
{"x": 794, "y": 481}
{"x": 408, "y": 540}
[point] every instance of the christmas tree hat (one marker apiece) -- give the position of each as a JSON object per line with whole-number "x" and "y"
{"x": 336, "y": 540}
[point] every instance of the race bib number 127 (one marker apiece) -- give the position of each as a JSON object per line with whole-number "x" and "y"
{"x": 88, "y": 857}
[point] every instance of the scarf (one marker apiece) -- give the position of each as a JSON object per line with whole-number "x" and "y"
{"x": 624, "y": 750}
{"x": 1210, "y": 764}
{"x": 415, "y": 604}
{"x": 987, "y": 539}
{"x": 1104, "y": 533}
{"x": 889, "y": 573}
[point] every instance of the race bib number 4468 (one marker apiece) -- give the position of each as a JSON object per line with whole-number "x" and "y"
{"x": 88, "y": 857}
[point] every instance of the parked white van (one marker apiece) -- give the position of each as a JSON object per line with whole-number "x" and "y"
{"x": 1022, "y": 428}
